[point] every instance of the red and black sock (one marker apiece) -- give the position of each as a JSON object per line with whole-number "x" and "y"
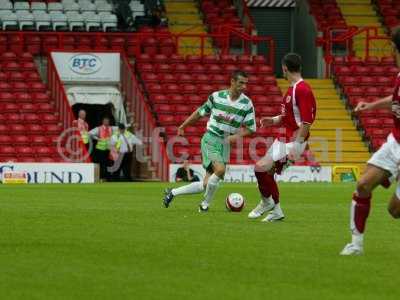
{"x": 267, "y": 185}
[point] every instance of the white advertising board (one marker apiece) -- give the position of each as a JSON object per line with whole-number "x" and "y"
{"x": 87, "y": 67}
{"x": 53, "y": 172}
{"x": 245, "y": 173}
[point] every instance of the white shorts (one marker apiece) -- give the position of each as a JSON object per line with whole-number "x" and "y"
{"x": 280, "y": 150}
{"x": 388, "y": 157}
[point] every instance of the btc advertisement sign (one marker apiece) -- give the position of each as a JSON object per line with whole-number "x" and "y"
{"x": 52, "y": 172}
{"x": 245, "y": 173}
{"x": 87, "y": 67}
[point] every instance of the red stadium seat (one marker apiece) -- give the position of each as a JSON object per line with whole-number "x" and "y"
{"x": 184, "y": 78}
{"x": 201, "y": 78}
{"x": 197, "y": 68}
{"x": 177, "y": 99}
{"x": 40, "y": 140}
{"x": 193, "y": 59}
{"x": 171, "y": 88}
{"x": 14, "y": 118}
{"x": 162, "y": 68}
{"x": 189, "y": 89}
{"x": 264, "y": 70}
{"x": 5, "y": 140}
{"x": 32, "y": 118}
{"x": 52, "y": 129}
{"x": 40, "y": 98}
{"x": 25, "y": 151}
{"x": 176, "y": 59}
{"x": 22, "y": 139}
{"x": 159, "y": 99}
{"x": 154, "y": 88}
{"x": 5, "y": 87}
{"x": 35, "y": 129}
{"x": 228, "y": 59}
{"x": 181, "y": 68}
{"x": 20, "y": 86}
{"x": 167, "y": 78}
{"x": 211, "y": 59}
{"x": 167, "y": 119}
{"x": 49, "y": 118}
{"x": 213, "y": 69}
{"x": 37, "y": 87}
{"x": 150, "y": 77}
{"x": 10, "y": 107}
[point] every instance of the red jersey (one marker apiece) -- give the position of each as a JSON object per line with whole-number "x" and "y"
{"x": 298, "y": 107}
{"x": 396, "y": 109}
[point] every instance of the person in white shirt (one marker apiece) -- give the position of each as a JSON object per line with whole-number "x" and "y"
{"x": 122, "y": 144}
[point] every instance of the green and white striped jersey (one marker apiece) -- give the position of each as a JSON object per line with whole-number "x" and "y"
{"x": 227, "y": 116}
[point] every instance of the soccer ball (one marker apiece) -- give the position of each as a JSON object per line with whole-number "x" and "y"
{"x": 234, "y": 202}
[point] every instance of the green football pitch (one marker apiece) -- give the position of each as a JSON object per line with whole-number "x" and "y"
{"x": 116, "y": 241}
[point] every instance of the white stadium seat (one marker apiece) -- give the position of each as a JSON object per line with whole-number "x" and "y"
{"x": 21, "y": 6}
{"x": 92, "y": 20}
{"x": 25, "y": 18}
{"x": 105, "y": 7}
{"x": 6, "y": 6}
{"x": 38, "y": 6}
{"x": 54, "y": 6}
{"x": 109, "y": 21}
{"x": 58, "y": 19}
{"x": 9, "y": 19}
{"x": 42, "y": 18}
{"x": 71, "y": 6}
{"x": 75, "y": 20}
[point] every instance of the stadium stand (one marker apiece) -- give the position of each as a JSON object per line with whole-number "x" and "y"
{"x": 327, "y": 14}
{"x": 367, "y": 80}
{"x": 30, "y": 120}
{"x": 172, "y": 82}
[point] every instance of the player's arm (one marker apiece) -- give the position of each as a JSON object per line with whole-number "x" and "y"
{"x": 202, "y": 111}
{"x": 270, "y": 121}
{"x": 240, "y": 134}
{"x": 379, "y": 104}
{"x": 193, "y": 118}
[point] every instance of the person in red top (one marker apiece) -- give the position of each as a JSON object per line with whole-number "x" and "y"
{"x": 83, "y": 127}
{"x": 382, "y": 168}
{"x": 297, "y": 115}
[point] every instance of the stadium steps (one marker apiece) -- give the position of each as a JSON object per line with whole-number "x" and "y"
{"x": 334, "y": 137}
{"x": 184, "y": 16}
{"x": 361, "y": 13}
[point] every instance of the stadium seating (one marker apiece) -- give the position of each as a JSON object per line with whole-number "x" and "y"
{"x": 176, "y": 86}
{"x": 326, "y": 14}
{"x": 367, "y": 80}
{"x": 389, "y": 12}
{"x": 82, "y": 15}
{"x": 219, "y": 13}
{"x": 30, "y": 123}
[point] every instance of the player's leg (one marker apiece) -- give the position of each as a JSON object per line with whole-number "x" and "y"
{"x": 360, "y": 207}
{"x": 191, "y": 188}
{"x": 394, "y": 204}
{"x": 198, "y": 186}
{"x": 217, "y": 174}
{"x": 264, "y": 171}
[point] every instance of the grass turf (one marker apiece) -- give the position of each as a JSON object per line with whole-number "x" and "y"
{"x": 116, "y": 241}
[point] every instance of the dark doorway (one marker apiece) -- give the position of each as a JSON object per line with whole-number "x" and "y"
{"x": 95, "y": 113}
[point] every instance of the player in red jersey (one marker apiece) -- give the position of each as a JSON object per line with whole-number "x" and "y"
{"x": 298, "y": 113}
{"x": 382, "y": 168}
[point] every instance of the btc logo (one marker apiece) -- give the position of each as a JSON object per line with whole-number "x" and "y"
{"x": 85, "y": 64}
